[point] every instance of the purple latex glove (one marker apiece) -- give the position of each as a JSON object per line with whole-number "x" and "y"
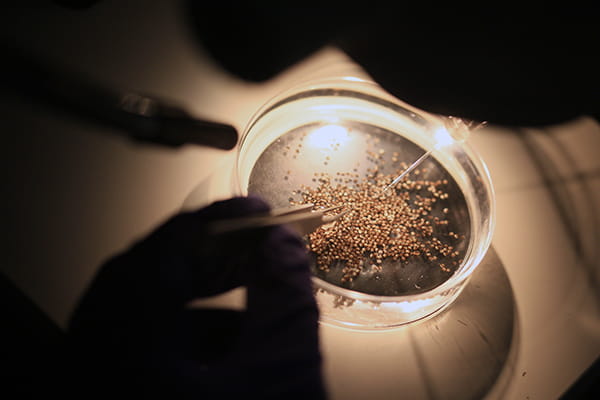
{"x": 132, "y": 331}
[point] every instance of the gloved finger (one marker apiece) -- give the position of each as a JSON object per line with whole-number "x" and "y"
{"x": 279, "y": 337}
{"x": 232, "y": 208}
{"x": 192, "y": 263}
{"x": 163, "y": 271}
{"x": 187, "y": 227}
{"x": 280, "y": 285}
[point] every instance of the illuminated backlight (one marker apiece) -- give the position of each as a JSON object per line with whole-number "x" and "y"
{"x": 328, "y": 136}
{"x": 442, "y": 138}
{"x": 453, "y": 130}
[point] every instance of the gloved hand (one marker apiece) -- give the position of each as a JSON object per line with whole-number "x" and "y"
{"x": 133, "y": 331}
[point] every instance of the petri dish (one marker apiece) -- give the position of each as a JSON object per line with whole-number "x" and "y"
{"x": 339, "y": 140}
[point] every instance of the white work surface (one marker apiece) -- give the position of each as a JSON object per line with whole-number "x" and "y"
{"x": 75, "y": 194}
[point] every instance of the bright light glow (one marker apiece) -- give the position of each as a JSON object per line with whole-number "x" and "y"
{"x": 328, "y": 136}
{"x": 454, "y": 130}
{"x": 353, "y": 79}
{"x": 442, "y": 137}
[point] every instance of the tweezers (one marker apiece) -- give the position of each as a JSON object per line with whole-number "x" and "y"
{"x": 303, "y": 219}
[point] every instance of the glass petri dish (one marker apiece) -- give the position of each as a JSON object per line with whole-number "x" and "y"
{"x": 348, "y": 135}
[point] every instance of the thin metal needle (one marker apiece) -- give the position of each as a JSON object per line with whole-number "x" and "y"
{"x": 409, "y": 169}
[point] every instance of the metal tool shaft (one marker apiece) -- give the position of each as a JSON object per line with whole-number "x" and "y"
{"x": 408, "y": 170}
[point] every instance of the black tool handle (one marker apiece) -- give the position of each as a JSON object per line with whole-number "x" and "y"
{"x": 140, "y": 117}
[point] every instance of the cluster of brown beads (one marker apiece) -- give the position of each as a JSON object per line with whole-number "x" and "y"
{"x": 395, "y": 224}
